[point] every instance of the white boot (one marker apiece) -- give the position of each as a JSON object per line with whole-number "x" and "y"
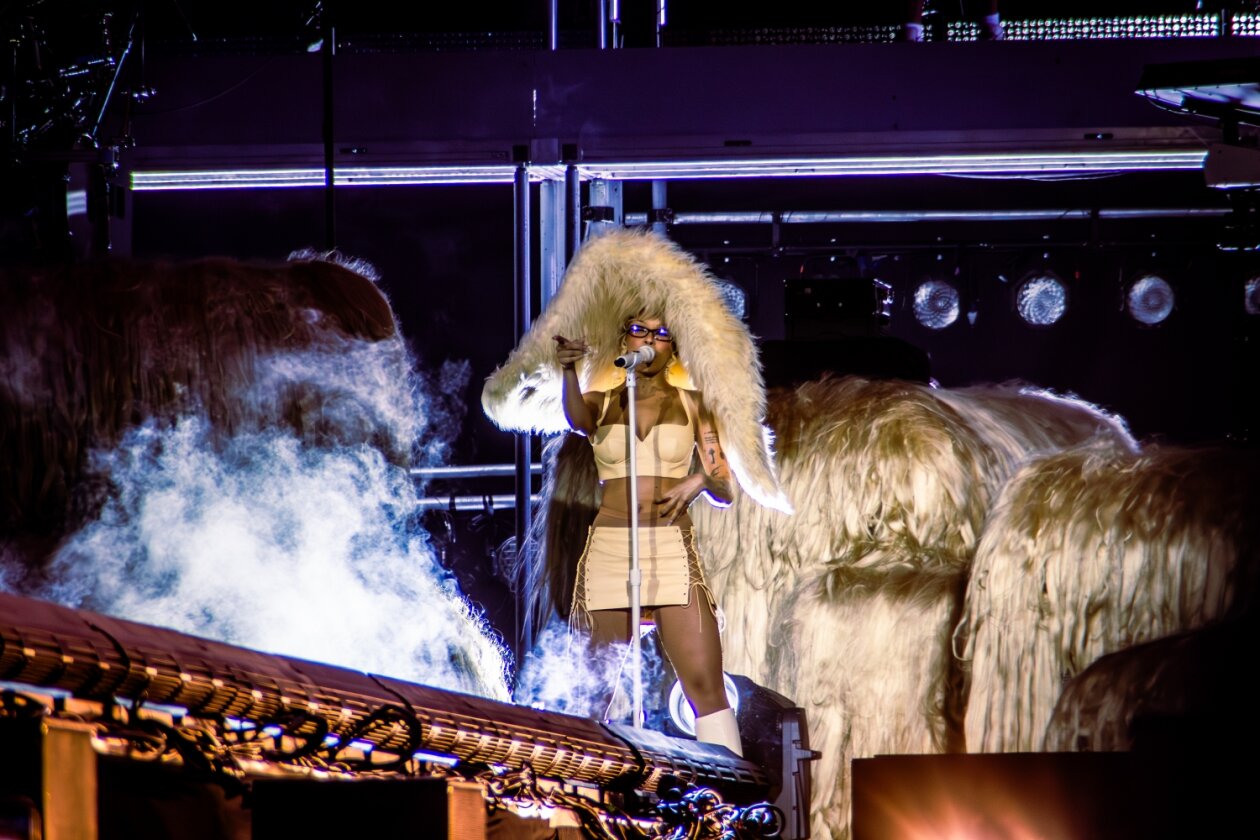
{"x": 720, "y": 728}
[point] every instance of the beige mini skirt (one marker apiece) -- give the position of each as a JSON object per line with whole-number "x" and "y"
{"x": 668, "y": 561}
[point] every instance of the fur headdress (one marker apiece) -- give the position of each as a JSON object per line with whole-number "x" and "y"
{"x": 618, "y": 275}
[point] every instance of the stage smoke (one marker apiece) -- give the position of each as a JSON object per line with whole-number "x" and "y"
{"x": 561, "y": 674}
{"x": 279, "y": 547}
{"x": 223, "y": 448}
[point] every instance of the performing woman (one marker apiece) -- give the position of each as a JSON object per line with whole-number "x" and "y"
{"x": 671, "y": 423}
{"x": 627, "y": 290}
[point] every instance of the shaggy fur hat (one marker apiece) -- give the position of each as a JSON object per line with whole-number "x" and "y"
{"x": 618, "y": 275}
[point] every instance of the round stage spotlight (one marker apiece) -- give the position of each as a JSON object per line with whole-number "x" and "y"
{"x": 680, "y": 711}
{"x": 1251, "y": 296}
{"x": 1041, "y": 298}
{"x": 1150, "y": 299}
{"x": 936, "y": 304}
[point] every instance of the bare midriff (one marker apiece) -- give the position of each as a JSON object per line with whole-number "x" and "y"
{"x": 615, "y": 509}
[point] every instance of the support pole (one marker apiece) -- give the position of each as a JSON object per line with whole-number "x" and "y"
{"x": 552, "y": 223}
{"x": 328, "y": 49}
{"x": 660, "y": 205}
{"x": 573, "y": 237}
{"x": 521, "y": 275}
{"x": 636, "y": 573}
{"x": 605, "y": 207}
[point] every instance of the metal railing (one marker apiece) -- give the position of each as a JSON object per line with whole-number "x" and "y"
{"x": 485, "y": 502}
{"x": 475, "y": 471}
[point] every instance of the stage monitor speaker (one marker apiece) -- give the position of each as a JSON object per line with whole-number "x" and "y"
{"x": 1075, "y": 796}
{"x": 383, "y": 809}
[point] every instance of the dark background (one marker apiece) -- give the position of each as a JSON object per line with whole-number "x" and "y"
{"x": 445, "y": 256}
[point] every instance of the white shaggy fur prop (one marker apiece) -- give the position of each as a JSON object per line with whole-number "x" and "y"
{"x": 876, "y": 474}
{"x": 868, "y": 655}
{"x": 847, "y": 606}
{"x": 1089, "y": 552}
{"x": 614, "y": 277}
{"x": 854, "y": 607}
{"x": 879, "y": 472}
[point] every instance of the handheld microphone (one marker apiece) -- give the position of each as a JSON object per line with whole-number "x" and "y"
{"x": 644, "y": 355}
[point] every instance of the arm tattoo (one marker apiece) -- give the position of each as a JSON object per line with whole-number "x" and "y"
{"x": 713, "y": 449}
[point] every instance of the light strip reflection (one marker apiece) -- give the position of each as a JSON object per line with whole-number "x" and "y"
{"x": 361, "y": 176}
{"x": 990, "y": 164}
{"x": 809, "y": 217}
{"x": 1037, "y": 163}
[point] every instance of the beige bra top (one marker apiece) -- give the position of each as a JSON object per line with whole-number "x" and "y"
{"x": 666, "y": 451}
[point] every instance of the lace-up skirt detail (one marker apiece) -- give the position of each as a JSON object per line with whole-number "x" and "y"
{"x": 667, "y": 557}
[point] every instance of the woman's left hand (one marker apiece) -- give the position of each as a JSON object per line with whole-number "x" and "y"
{"x": 674, "y": 502}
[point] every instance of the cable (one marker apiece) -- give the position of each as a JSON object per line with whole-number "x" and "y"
{"x": 381, "y": 716}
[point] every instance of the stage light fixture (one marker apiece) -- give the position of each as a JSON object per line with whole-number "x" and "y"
{"x": 735, "y": 298}
{"x": 1041, "y": 298}
{"x": 1150, "y": 299}
{"x": 681, "y": 713}
{"x": 936, "y": 303}
{"x": 1251, "y": 295}
{"x": 1138, "y": 26}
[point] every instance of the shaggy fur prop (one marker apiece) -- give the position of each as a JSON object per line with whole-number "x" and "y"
{"x": 876, "y": 476}
{"x": 882, "y": 473}
{"x": 90, "y": 350}
{"x": 614, "y": 277}
{"x": 868, "y": 655}
{"x": 558, "y": 533}
{"x": 176, "y": 438}
{"x": 847, "y": 606}
{"x": 1190, "y": 694}
{"x": 1014, "y": 422}
{"x": 1091, "y": 551}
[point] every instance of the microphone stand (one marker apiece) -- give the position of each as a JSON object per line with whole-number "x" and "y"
{"x": 636, "y": 575}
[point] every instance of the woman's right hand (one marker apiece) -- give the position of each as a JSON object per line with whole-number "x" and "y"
{"x": 580, "y": 414}
{"x": 568, "y": 352}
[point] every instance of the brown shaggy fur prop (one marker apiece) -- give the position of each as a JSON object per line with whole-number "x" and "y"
{"x": 1190, "y": 695}
{"x": 89, "y": 350}
{"x": 1089, "y": 552}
